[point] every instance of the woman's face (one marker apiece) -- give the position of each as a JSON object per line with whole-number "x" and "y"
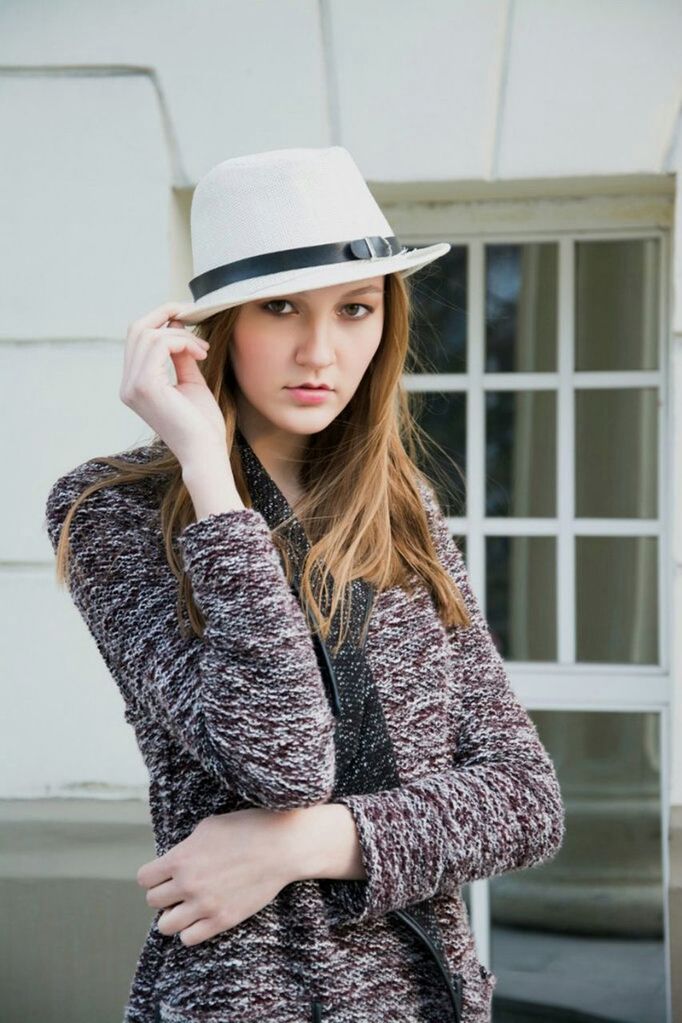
{"x": 325, "y": 336}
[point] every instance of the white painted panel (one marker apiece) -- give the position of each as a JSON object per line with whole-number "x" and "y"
{"x": 60, "y": 406}
{"x": 233, "y": 77}
{"x": 674, "y": 581}
{"x": 454, "y": 91}
{"x": 62, "y": 729}
{"x": 84, "y": 205}
{"x": 417, "y": 85}
{"x": 592, "y": 88}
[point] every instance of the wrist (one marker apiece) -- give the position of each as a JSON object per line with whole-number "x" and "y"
{"x": 208, "y": 463}
{"x": 210, "y": 484}
{"x": 322, "y": 841}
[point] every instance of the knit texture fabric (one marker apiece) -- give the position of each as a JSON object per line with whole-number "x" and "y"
{"x": 364, "y": 755}
{"x": 241, "y": 717}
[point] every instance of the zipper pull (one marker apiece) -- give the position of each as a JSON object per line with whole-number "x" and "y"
{"x": 317, "y": 1012}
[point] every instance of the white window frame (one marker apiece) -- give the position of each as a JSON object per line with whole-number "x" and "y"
{"x": 565, "y": 220}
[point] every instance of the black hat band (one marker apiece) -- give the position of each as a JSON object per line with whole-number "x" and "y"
{"x": 373, "y": 247}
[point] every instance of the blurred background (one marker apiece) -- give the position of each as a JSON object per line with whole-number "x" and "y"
{"x": 543, "y": 140}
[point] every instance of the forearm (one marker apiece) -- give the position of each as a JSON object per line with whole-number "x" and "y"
{"x": 232, "y": 697}
{"x": 322, "y": 841}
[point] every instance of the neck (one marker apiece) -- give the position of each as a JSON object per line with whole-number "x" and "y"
{"x": 279, "y": 453}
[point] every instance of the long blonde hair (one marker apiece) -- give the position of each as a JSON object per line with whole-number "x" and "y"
{"x": 361, "y": 509}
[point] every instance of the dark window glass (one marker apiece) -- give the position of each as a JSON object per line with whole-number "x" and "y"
{"x": 521, "y": 307}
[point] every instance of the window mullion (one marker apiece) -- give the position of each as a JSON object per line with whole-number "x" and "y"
{"x": 565, "y": 455}
{"x": 475, "y": 421}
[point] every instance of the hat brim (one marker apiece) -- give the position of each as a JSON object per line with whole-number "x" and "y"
{"x": 309, "y": 278}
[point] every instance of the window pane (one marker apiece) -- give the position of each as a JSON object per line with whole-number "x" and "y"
{"x": 616, "y": 448}
{"x": 585, "y": 931}
{"x": 439, "y": 318}
{"x": 520, "y": 431}
{"x": 443, "y": 417}
{"x": 616, "y": 303}
{"x": 617, "y": 599}
{"x": 521, "y": 596}
{"x": 521, "y": 307}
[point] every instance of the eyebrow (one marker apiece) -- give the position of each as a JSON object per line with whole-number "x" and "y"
{"x": 356, "y": 291}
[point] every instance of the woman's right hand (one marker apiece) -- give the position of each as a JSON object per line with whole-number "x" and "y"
{"x": 185, "y": 415}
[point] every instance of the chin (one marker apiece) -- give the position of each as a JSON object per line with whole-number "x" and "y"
{"x": 307, "y": 429}
{"x": 303, "y": 424}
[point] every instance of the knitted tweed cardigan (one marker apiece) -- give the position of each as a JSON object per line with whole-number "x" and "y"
{"x": 240, "y": 717}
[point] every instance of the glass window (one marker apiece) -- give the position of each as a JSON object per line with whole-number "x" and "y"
{"x": 616, "y": 599}
{"x": 616, "y": 304}
{"x": 520, "y": 453}
{"x": 581, "y": 937}
{"x": 521, "y": 596}
{"x": 616, "y": 453}
{"x": 521, "y": 307}
{"x": 439, "y": 315}
{"x": 442, "y": 416}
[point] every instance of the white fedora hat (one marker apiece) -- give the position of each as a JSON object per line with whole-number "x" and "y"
{"x": 288, "y": 220}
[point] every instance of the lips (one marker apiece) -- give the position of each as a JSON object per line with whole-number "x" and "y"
{"x": 310, "y": 395}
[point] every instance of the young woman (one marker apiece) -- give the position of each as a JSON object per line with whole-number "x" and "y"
{"x": 333, "y": 743}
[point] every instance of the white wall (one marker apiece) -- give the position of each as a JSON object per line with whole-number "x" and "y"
{"x": 104, "y": 108}
{"x": 439, "y": 89}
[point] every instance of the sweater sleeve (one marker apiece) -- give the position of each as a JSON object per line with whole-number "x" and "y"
{"x": 497, "y": 808}
{"x": 247, "y": 699}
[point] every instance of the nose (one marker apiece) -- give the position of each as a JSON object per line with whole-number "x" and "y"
{"x": 316, "y": 347}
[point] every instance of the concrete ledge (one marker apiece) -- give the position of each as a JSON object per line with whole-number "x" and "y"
{"x": 74, "y": 916}
{"x": 74, "y": 838}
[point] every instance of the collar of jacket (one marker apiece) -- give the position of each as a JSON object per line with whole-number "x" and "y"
{"x": 364, "y": 753}
{"x": 268, "y": 499}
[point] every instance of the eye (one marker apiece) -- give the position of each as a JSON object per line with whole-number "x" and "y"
{"x": 358, "y": 305}
{"x": 275, "y": 301}
{"x": 349, "y": 305}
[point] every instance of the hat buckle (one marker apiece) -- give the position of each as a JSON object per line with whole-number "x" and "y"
{"x": 375, "y": 247}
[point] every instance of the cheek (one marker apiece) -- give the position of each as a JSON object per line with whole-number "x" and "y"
{"x": 363, "y": 353}
{"x": 256, "y": 361}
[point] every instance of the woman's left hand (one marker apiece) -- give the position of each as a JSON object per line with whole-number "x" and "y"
{"x": 231, "y": 866}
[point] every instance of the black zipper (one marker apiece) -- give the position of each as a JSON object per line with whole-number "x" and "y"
{"x": 453, "y": 981}
{"x": 317, "y": 1012}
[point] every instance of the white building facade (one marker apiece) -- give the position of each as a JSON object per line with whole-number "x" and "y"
{"x": 544, "y": 142}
